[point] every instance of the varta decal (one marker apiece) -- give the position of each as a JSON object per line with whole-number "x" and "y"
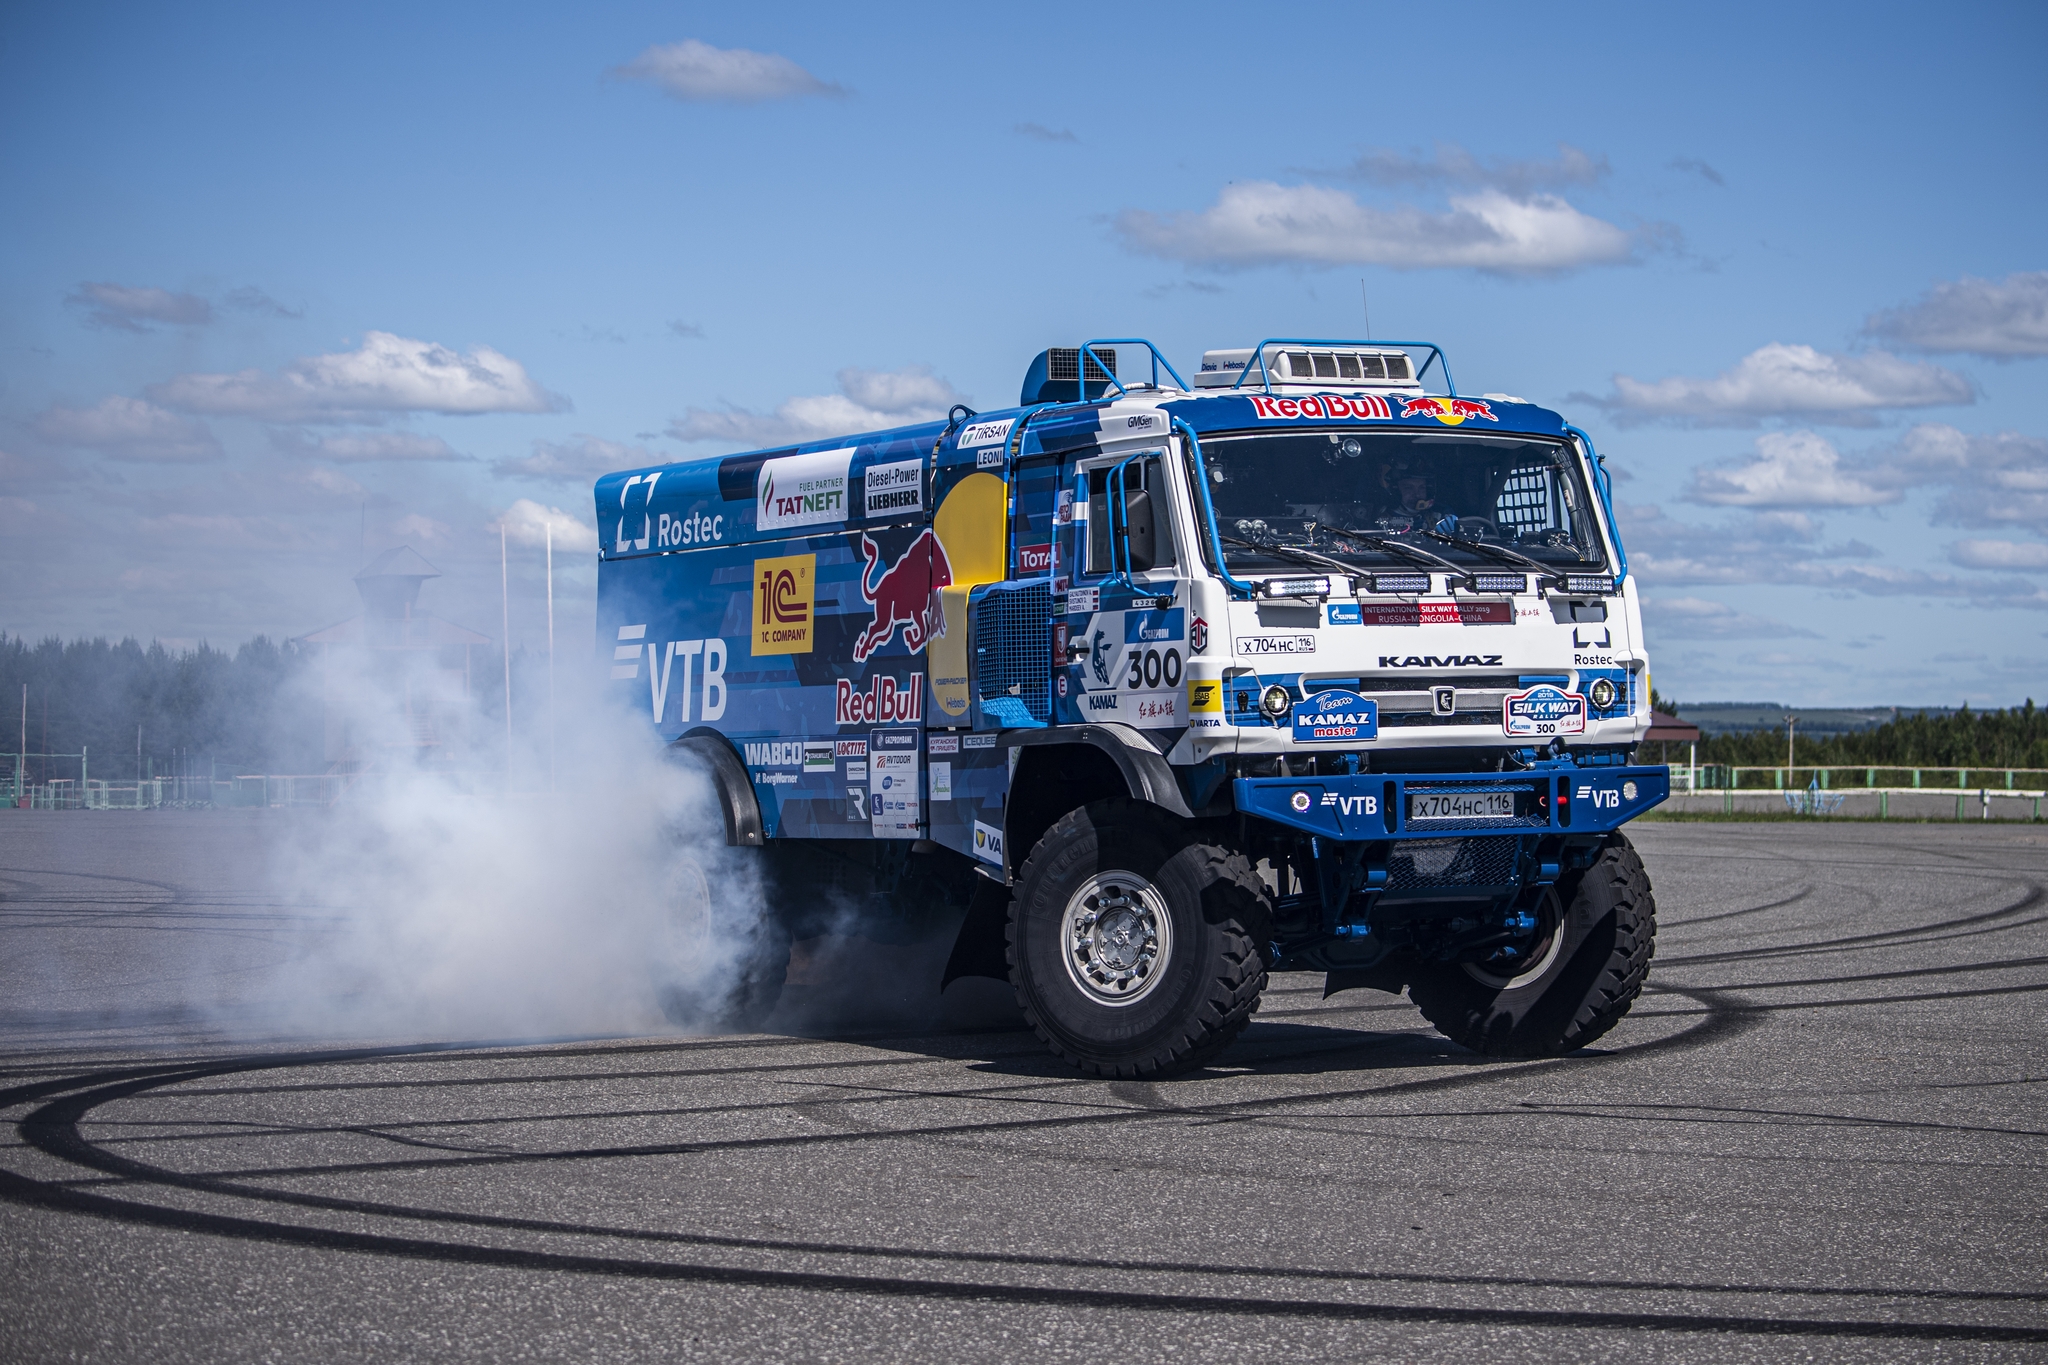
{"x": 904, "y": 594}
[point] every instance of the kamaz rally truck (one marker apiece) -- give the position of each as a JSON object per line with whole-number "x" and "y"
{"x": 1154, "y": 688}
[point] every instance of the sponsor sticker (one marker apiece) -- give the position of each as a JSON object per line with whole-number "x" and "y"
{"x": 895, "y": 489}
{"x": 1450, "y": 411}
{"x": 942, "y": 781}
{"x": 942, "y": 744}
{"x": 1367, "y": 408}
{"x": 1346, "y": 614}
{"x": 884, "y": 701}
{"x": 977, "y": 741}
{"x": 988, "y": 843}
{"x": 892, "y": 784}
{"x": 775, "y": 753}
{"x": 857, "y": 772}
{"x": 1543, "y": 710}
{"x": 977, "y": 434}
{"x": 785, "y": 593}
{"x": 1034, "y": 559}
{"x": 1441, "y": 613}
{"x": 1440, "y": 660}
{"x": 1336, "y": 714}
{"x": 857, "y": 801}
{"x": 802, "y": 490}
{"x": 818, "y": 758}
{"x": 849, "y": 748}
{"x": 1276, "y": 644}
{"x": 1083, "y": 600}
{"x": 1205, "y": 694}
{"x": 904, "y": 594}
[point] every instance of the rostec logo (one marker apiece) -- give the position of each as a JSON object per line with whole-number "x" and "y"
{"x": 802, "y": 490}
{"x": 1034, "y": 558}
{"x": 784, "y": 595}
{"x": 691, "y": 530}
{"x": 1449, "y": 411}
{"x": 1370, "y": 408}
{"x": 620, "y": 543}
{"x": 904, "y": 594}
{"x": 1440, "y": 661}
{"x": 885, "y": 702}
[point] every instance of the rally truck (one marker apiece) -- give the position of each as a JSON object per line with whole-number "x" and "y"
{"x": 1156, "y": 687}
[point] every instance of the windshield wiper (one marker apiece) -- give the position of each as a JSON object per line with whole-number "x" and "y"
{"x": 1501, "y": 553}
{"x": 1415, "y": 553}
{"x": 1300, "y": 556}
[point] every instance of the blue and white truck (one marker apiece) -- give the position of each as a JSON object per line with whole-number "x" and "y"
{"x": 1313, "y": 664}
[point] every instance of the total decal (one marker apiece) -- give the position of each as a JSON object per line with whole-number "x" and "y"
{"x": 905, "y": 594}
{"x": 1136, "y": 667}
{"x": 1543, "y": 711}
{"x": 1369, "y": 408}
{"x": 1450, "y": 411}
{"x": 884, "y": 701}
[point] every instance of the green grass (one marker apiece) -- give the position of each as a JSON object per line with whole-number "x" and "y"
{"x": 1715, "y": 817}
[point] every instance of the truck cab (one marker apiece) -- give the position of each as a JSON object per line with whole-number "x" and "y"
{"x": 1310, "y": 664}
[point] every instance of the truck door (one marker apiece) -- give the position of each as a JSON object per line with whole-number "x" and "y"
{"x": 1127, "y": 621}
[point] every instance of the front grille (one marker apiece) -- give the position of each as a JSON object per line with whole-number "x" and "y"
{"x": 1013, "y": 650}
{"x": 1434, "y": 864}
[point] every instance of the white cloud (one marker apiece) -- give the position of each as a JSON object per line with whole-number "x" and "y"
{"x": 1997, "y": 319}
{"x": 386, "y": 373}
{"x": 333, "y": 481}
{"x": 527, "y": 522}
{"x": 130, "y": 429}
{"x": 414, "y": 526}
{"x": 1999, "y": 554}
{"x": 250, "y": 299}
{"x": 368, "y": 447}
{"x": 224, "y": 529}
{"x": 868, "y": 400}
{"x": 696, "y": 71}
{"x": 1789, "y": 381}
{"x": 1692, "y": 165}
{"x": 131, "y": 308}
{"x": 1698, "y": 618}
{"x": 1261, "y": 223}
{"x": 578, "y": 460}
{"x": 1791, "y": 469}
{"x": 1997, "y": 480}
{"x": 1453, "y": 165}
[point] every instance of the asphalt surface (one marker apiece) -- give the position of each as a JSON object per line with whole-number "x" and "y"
{"x": 1819, "y": 1135}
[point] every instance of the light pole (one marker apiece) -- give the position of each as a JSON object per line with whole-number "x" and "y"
{"x": 1791, "y": 722}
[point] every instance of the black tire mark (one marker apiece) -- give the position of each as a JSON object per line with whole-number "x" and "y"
{"x": 1801, "y": 894}
{"x": 1893, "y": 937}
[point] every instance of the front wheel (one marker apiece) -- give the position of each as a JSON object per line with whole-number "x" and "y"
{"x": 1582, "y": 973}
{"x": 723, "y": 950}
{"x": 1134, "y": 944}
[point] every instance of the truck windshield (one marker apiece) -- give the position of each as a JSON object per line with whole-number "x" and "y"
{"x": 1454, "y": 495}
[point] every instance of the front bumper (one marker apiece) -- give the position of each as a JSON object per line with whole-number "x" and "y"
{"x": 1364, "y": 806}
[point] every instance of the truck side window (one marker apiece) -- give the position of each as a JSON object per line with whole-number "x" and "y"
{"x": 1145, "y": 486}
{"x": 1034, "y": 492}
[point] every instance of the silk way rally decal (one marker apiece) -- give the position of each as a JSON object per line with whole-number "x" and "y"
{"x": 904, "y": 594}
{"x": 1543, "y": 710}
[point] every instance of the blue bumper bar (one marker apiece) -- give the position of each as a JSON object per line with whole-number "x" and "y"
{"x": 1352, "y": 808}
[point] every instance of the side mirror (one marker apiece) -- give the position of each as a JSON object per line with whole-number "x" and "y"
{"x": 1140, "y": 534}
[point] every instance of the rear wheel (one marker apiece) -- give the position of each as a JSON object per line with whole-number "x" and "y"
{"x": 723, "y": 951}
{"x": 1574, "y": 981}
{"x": 1134, "y": 947}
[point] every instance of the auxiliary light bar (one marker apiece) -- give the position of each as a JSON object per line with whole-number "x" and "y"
{"x": 1297, "y": 587}
{"x": 1498, "y": 582}
{"x": 1585, "y": 582}
{"x": 1400, "y": 582}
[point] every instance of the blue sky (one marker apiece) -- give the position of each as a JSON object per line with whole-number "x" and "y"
{"x": 279, "y": 285}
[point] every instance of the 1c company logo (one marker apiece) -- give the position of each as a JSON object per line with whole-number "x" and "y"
{"x": 784, "y": 596}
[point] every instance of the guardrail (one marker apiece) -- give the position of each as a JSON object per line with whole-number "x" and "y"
{"x": 1723, "y": 777}
{"x": 275, "y": 790}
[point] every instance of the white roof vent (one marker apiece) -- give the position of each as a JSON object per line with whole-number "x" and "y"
{"x": 1310, "y": 367}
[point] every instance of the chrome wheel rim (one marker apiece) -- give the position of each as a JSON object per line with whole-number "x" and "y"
{"x": 1116, "y": 938}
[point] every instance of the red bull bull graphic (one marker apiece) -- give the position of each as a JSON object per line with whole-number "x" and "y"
{"x": 1450, "y": 411}
{"x": 905, "y": 594}
{"x": 1369, "y": 408}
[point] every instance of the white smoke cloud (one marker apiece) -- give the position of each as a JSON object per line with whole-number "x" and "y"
{"x": 527, "y": 522}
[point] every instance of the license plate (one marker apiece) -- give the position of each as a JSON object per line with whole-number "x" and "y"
{"x": 1460, "y": 806}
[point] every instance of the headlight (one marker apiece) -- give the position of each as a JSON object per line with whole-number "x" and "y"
{"x": 1276, "y": 701}
{"x": 1601, "y": 694}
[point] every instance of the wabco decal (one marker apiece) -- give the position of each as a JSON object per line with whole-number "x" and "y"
{"x": 785, "y": 591}
{"x": 904, "y": 594}
{"x": 802, "y": 490}
{"x": 1449, "y": 411}
{"x": 1370, "y": 408}
{"x": 885, "y": 702}
{"x": 1440, "y": 661}
{"x": 1543, "y": 710}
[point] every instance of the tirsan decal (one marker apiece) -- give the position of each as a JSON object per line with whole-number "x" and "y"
{"x": 671, "y": 532}
{"x": 802, "y": 490}
{"x": 977, "y": 434}
{"x": 1276, "y": 644}
{"x": 904, "y": 594}
{"x": 1449, "y": 411}
{"x": 661, "y": 675}
{"x": 1440, "y": 661}
{"x": 1033, "y": 559}
{"x": 620, "y": 542}
{"x": 785, "y": 591}
{"x": 894, "y": 489}
{"x": 1370, "y": 408}
{"x": 1336, "y": 713}
{"x": 1543, "y": 710}
{"x": 885, "y": 702}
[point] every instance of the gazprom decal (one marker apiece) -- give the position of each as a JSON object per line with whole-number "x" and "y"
{"x": 1336, "y": 714}
{"x": 802, "y": 490}
{"x": 1543, "y": 710}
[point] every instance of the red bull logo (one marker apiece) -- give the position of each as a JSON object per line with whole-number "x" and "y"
{"x": 884, "y": 702}
{"x": 1449, "y": 411}
{"x": 904, "y": 594}
{"x": 1369, "y": 408}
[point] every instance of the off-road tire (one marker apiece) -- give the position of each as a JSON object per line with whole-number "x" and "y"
{"x": 1208, "y": 981}
{"x": 1609, "y": 932}
{"x": 725, "y": 950}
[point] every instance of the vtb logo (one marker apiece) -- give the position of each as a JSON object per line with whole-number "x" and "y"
{"x": 785, "y": 598}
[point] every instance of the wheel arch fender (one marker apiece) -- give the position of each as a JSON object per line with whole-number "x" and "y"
{"x": 736, "y": 799}
{"x": 1112, "y": 760}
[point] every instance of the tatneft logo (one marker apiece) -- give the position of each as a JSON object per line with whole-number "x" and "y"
{"x": 1440, "y": 661}
{"x": 621, "y": 543}
{"x": 1370, "y": 408}
{"x": 895, "y": 488}
{"x": 977, "y": 434}
{"x": 802, "y": 490}
{"x": 661, "y": 681}
{"x": 675, "y": 532}
{"x": 885, "y": 702}
{"x": 785, "y": 592}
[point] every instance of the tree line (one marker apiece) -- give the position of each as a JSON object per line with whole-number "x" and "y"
{"x": 2014, "y": 738}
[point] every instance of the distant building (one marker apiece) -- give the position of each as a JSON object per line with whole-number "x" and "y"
{"x": 394, "y": 679}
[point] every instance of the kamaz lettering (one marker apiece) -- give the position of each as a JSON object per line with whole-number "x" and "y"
{"x": 1440, "y": 661}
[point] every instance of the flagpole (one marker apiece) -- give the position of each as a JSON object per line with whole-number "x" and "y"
{"x": 505, "y": 599}
{"x": 551, "y": 656}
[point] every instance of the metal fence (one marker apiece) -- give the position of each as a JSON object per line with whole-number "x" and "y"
{"x": 272, "y": 790}
{"x": 1863, "y": 792}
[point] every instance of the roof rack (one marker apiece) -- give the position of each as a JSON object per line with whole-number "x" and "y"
{"x": 1436, "y": 358}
